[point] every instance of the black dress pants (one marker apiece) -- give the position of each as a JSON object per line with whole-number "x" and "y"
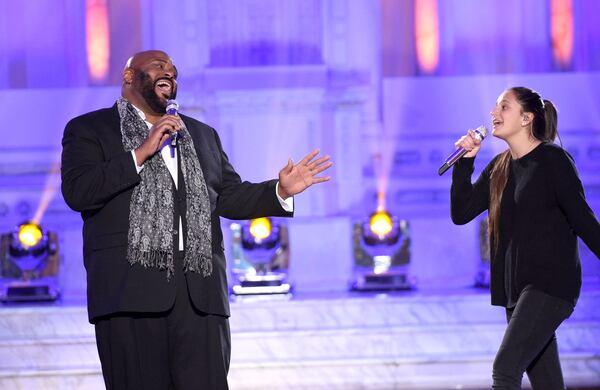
{"x": 181, "y": 349}
{"x": 529, "y": 343}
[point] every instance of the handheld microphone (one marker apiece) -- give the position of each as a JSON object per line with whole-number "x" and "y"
{"x": 172, "y": 109}
{"x": 480, "y": 133}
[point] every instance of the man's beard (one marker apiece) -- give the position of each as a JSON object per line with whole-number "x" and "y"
{"x": 147, "y": 90}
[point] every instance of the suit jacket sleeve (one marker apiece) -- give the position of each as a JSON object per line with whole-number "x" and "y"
{"x": 90, "y": 177}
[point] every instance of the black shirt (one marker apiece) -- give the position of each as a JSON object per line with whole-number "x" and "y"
{"x": 542, "y": 212}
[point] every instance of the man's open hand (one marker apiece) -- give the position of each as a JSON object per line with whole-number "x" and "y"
{"x": 293, "y": 179}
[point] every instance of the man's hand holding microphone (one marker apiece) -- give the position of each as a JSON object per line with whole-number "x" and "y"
{"x": 164, "y": 129}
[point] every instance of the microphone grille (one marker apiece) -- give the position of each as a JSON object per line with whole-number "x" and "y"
{"x": 172, "y": 104}
{"x": 483, "y": 131}
{"x": 172, "y": 107}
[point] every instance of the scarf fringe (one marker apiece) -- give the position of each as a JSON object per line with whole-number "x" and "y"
{"x": 153, "y": 259}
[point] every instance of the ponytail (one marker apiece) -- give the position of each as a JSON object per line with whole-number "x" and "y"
{"x": 551, "y": 119}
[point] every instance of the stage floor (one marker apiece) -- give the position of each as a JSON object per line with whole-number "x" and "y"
{"x": 422, "y": 339}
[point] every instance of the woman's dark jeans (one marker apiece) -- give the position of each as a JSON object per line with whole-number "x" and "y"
{"x": 529, "y": 343}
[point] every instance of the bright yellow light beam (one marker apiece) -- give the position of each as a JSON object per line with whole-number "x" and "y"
{"x": 30, "y": 235}
{"x": 260, "y": 228}
{"x": 380, "y": 223}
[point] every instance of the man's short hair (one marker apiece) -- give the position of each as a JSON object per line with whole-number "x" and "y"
{"x": 128, "y": 63}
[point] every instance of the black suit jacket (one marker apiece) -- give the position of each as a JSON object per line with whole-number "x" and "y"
{"x": 98, "y": 178}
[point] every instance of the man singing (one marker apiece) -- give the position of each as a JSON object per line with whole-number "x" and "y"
{"x": 152, "y": 242}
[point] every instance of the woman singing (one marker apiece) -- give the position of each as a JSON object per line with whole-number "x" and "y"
{"x": 536, "y": 209}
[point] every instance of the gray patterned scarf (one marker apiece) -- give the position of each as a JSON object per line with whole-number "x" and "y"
{"x": 150, "y": 238}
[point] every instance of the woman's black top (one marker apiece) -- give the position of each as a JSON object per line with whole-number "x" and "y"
{"x": 542, "y": 212}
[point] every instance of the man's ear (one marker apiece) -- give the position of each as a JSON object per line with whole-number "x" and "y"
{"x": 128, "y": 76}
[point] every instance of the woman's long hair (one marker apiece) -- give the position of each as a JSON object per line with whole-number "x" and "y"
{"x": 544, "y": 128}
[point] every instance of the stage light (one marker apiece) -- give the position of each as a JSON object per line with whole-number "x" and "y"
{"x": 29, "y": 234}
{"x": 28, "y": 264}
{"x": 381, "y": 253}
{"x": 260, "y": 254}
{"x": 97, "y": 39}
{"x": 562, "y": 31}
{"x": 260, "y": 228}
{"x": 380, "y": 223}
{"x": 427, "y": 34}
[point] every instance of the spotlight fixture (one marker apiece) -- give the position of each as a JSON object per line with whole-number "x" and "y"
{"x": 28, "y": 264}
{"x": 29, "y": 235}
{"x": 260, "y": 229}
{"x": 381, "y": 224}
{"x": 381, "y": 247}
{"x": 260, "y": 252}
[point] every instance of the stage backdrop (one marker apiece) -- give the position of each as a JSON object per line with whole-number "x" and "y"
{"x": 385, "y": 87}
